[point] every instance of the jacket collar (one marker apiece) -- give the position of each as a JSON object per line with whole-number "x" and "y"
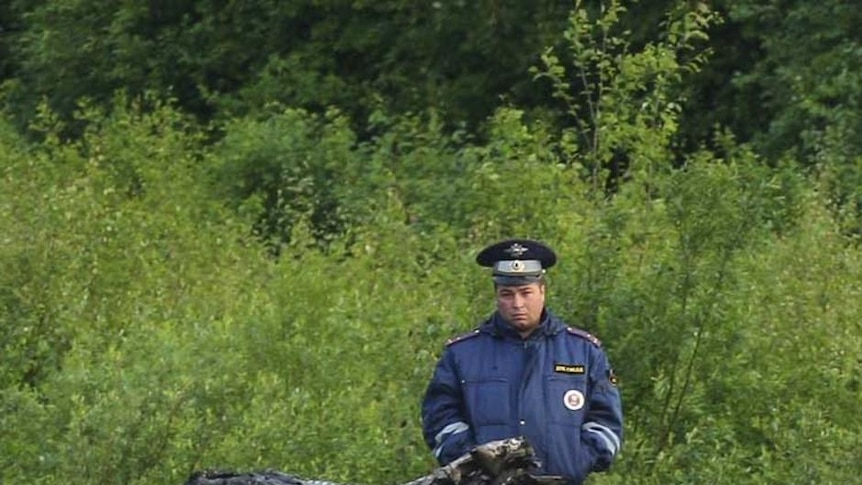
{"x": 549, "y": 325}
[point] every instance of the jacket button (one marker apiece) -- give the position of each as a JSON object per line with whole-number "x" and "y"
{"x": 522, "y": 422}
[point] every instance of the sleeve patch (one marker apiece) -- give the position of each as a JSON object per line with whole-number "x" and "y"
{"x": 612, "y": 377}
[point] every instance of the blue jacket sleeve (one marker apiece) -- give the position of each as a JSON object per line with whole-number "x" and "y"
{"x": 602, "y": 431}
{"x": 444, "y": 422}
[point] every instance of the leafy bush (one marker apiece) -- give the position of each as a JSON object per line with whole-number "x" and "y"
{"x": 148, "y": 331}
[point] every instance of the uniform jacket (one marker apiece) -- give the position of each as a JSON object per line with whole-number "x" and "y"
{"x": 555, "y": 388}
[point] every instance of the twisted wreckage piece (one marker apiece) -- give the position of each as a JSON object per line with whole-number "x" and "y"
{"x": 503, "y": 462}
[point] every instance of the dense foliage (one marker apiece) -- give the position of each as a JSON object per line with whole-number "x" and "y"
{"x": 236, "y": 235}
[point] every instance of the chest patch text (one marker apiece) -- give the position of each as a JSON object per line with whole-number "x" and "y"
{"x": 569, "y": 368}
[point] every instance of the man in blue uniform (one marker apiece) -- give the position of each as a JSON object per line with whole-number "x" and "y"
{"x": 523, "y": 372}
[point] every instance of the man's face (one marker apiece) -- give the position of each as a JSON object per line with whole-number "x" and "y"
{"x": 521, "y": 306}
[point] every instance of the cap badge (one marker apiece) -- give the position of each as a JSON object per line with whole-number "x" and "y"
{"x": 517, "y": 266}
{"x": 516, "y": 250}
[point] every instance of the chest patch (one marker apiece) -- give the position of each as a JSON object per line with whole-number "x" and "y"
{"x": 573, "y": 399}
{"x": 569, "y": 368}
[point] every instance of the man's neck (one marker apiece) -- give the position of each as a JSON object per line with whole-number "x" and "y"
{"x": 525, "y": 334}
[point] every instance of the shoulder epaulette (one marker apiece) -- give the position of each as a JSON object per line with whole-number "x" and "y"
{"x": 584, "y": 335}
{"x": 462, "y": 337}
